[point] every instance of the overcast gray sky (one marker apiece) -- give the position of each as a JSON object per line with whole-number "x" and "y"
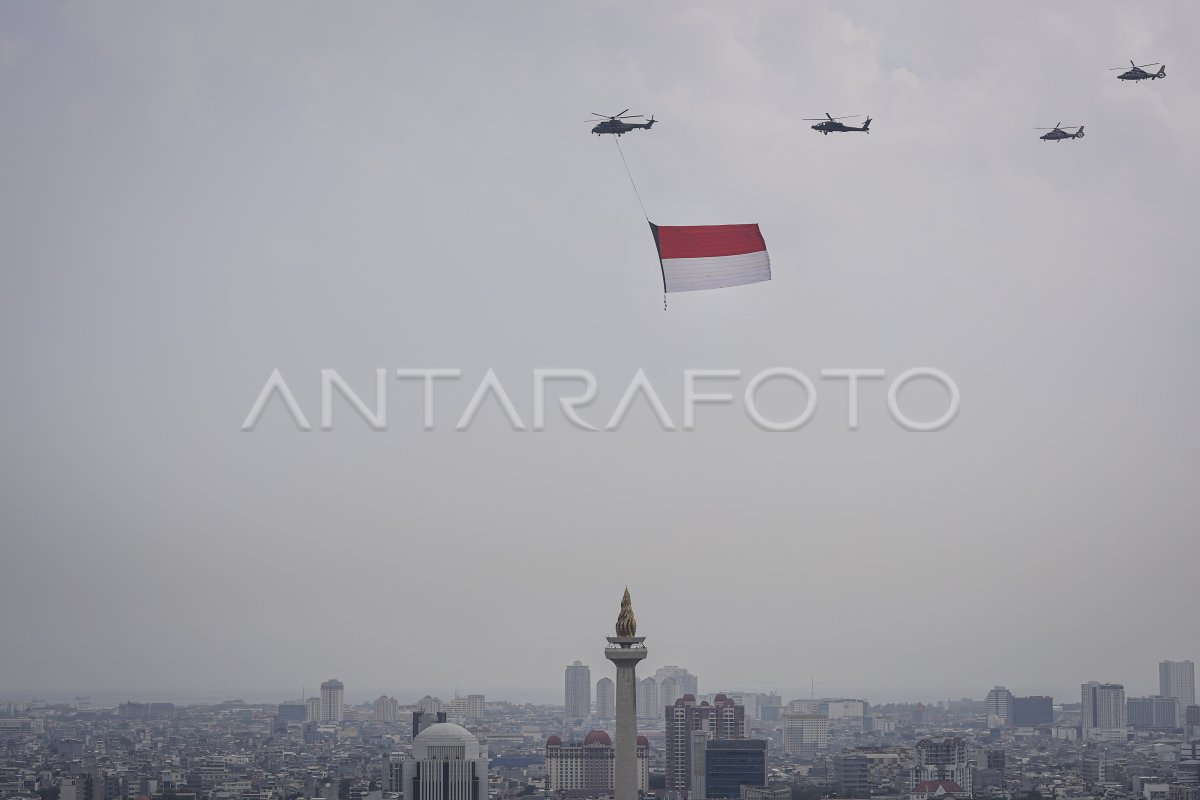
{"x": 194, "y": 195}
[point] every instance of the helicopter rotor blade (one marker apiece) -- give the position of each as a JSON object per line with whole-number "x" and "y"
{"x": 631, "y": 116}
{"x": 617, "y": 115}
{"x": 1155, "y": 64}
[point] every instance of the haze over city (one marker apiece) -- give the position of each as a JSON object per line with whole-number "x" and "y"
{"x": 196, "y": 195}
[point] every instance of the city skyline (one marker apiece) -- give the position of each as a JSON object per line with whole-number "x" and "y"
{"x": 1068, "y": 693}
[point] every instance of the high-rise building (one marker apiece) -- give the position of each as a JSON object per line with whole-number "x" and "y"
{"x": 387, "y": 709}
{"x": 944, "y": 760}
{"x": 424, "y": 719}
{"x": 446, "y": 764}
{"x": 1097, "y": 767}
{"x": 292, "y": 711}
{"x": 589, "y": 768}
{"x": 430, "y": 705}
{"x": 1191, "y": 721}
{"x": 1156, "y": 713}
{"x": 1033, "y": 710}
{"x": 393, "y": 772}
{"x": 469, "y": 707}
{"x": 332, "y": 700}
{"x": 1103, "y": 711}
{"x": 578, "y": 690}
{"x": 605, "y": 699}
{"x": 723, "y": 719}
{"x": 852, "y": 710}
{"x": 999, "y": 703}
{"x": 1178, "y": 679}
{"x": 668, "y": 692}
{"x": 852, "y": 773}
{"x": 805, "y": 734}
{"x": 803, "y": 707}
{"x": 989, "y": 770}
{"x": 685, "y": 682}
{"x": 647, "y": 699}
{"x": 312, "y": 709}
{"x": 730, "y": 764}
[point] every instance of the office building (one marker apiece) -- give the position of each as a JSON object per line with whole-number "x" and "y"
{"x": 469, "y": 707}
{"x": 588, "y": 768}
{"x": 312, "y": 709}
{"x": 387, "y": 709}
{"x": 938, "y": 761}
{"x": 1103, "y": 712}
{"x": 999, "y": 704}
{"x": 805, "y": 735}
{"x": 578, "y": 691}
{"x": 730, "y": 764}
{"x": 446, "y": 764}
{"x": 332, "y": 701}
{"x": 668, "y": 692}
{"x": 292, "y": 711}
{"x": 852, "y": 774}
{"x": 685, "y": 682}
{"x": 647, "y": 699}
{"x": 1097, "y": 768}
{"x": 1155, "y": 713}
{"x": 722, "y": 719}
{"x": 1178, "y": 679}
{"x": 1033, "y": 710}
{"x": 393, "y": 773}
{"x": 804, "y": 707}
{"x": 989, "y": 770}
{"x": 851, "y": 711}
{"x": 424, "y": 719}
{"x": 606, "y": 699}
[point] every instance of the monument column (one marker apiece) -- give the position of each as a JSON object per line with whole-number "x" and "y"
{"x": 625, "y": 650}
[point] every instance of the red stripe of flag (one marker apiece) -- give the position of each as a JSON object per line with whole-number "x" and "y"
{"x": 707, "y": 241}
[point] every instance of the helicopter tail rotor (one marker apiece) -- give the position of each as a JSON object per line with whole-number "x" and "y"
{"x": 1162, "y": 72}
{"x": 1079, "y": 133}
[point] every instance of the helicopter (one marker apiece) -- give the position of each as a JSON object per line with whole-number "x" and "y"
{"x": 1139, "y": 74}
{"x": 616, "y": 124}
{"x": 1057, "y": 134}
{"x": 831, "y": 124}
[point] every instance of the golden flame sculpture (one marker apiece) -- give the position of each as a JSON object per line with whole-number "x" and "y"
{"x": 626, "y": 622}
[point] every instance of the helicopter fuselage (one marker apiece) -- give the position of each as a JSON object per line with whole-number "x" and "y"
{"x": 1139, "y": 74}
{"x": 620, "y": 128}
{"x": 1057, "y": 135}
{"x": 833, "y": 126}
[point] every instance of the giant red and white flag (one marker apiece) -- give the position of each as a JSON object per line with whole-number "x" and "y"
{"x": 710, "y": 256}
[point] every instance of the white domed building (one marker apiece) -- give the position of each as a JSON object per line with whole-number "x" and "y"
{"x": 447, "y": 763}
